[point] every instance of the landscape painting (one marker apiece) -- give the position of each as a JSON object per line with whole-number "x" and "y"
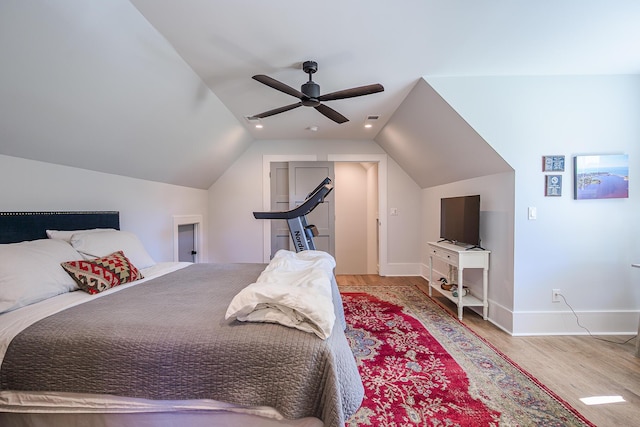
{"x": 601, "y": 176}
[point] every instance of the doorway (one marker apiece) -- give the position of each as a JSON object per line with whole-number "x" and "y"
{"x": 357, "y": 217}
{"x": 380, "y": 160}
{"x": 187, "y": 238}
{"x": 187, "y": 243}
{"x": 348, "y": 219}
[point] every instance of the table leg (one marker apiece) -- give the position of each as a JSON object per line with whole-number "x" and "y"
{"x": 460, "y": 293}
{"x": 430, "y": 273}
{"x": 485, "y": 301}
{"x": 638, "y": 337}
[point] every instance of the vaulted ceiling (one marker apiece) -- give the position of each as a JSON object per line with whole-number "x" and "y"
{"x": 160, "y": 89}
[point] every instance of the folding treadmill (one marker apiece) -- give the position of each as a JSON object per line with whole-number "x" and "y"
{"x": 301, "y": 232}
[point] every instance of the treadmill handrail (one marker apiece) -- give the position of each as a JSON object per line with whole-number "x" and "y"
{"x": 326, "y": 181}
{"x": 314, "y": 199}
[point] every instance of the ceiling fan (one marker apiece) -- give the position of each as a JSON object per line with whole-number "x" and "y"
{"x": 309, "y": 94}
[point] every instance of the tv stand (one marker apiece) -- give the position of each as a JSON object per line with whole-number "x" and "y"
{"x": 461, "y": 258}
{"x": 453, "y": 242}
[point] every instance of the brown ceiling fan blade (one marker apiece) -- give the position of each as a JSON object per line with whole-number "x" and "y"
{"x": 277, "y": 111}
{"x": 331, "y": 114}
{"x": 271, "y": 82}
{"x": 353, "y": 92}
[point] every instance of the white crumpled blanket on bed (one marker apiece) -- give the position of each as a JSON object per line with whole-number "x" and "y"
{"x": 294, "y": 290}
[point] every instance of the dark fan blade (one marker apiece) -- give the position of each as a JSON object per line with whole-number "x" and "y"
{"x": 350, "y": 93}
{"x": 331, "y": 113}
{"x": 277, "y": 110}
{"x": 271, "y": 82}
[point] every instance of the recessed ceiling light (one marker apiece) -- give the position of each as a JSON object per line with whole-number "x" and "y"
{"x": 368, "y": 122}
{"x": 313, "y": 128}
{"x": 255, "y": 121}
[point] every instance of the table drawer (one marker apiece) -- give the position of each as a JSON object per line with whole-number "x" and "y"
{"x": 449, "y": 257}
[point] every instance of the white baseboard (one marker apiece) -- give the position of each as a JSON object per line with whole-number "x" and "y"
{"x": 613, "y": 322}
{"x": 563, "y": 322}
{"x": 402, "y": 269}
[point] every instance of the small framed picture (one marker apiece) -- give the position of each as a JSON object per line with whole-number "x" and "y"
{"x": 553, "y": 185}
{"x": 553, "y": 163}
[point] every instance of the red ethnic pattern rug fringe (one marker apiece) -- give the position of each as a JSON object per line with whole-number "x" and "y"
{"x": 420, "y": 366}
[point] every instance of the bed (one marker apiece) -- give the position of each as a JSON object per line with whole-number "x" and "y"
{"x": 157, "y": 349}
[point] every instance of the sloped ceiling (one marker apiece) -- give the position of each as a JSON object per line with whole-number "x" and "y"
{"x": 434, "y": 144}
{"x": 159, "y": 89}
{"x": 92, "y": 84}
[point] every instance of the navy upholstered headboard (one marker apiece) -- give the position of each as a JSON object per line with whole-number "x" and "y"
{"x": 21, "y": 226}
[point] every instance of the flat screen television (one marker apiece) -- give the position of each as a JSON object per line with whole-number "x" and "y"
{"x": 460, "y": 220}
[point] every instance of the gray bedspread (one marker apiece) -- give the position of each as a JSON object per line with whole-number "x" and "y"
{"x": 167, "y": 339}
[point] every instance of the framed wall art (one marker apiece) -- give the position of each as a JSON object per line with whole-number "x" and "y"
{"x": 552, "y": 163}
{"x": 553, "y": 185}
{"x": 603, "y": 176}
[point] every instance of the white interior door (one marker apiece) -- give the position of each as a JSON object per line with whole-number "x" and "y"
{"x": 187, "y": 243}
{"x": 303, "y": 178}
{"x": 280, "y": 236}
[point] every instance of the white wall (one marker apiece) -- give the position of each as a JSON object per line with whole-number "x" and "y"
{"x": 146, "y": 207}
{"x": 583, "y": 247}
{"x": 405, "y": 227}
{"x": 235, "y": 236}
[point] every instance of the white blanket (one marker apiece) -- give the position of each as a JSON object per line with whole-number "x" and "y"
{"x": 294, "y": 290}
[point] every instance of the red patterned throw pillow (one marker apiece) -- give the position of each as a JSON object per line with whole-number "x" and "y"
{"x": 100, "y": 274}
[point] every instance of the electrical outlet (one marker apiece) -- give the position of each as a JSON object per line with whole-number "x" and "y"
{"x": 555, "y": 295}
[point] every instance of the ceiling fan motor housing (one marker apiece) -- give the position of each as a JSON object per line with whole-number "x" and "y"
{"x": 312, "y": 90}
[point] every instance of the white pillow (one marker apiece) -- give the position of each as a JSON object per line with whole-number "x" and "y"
{"x": 98, "y": 245}
{"x": 66, "y": 234}
{"x": 31, "y": 272}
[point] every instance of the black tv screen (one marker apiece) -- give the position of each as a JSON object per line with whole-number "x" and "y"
{"x": 460, "y": 219}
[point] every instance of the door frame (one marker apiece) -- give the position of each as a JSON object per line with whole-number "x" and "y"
{"x": 381, "y": 159}
{"x": 198, "y": 232}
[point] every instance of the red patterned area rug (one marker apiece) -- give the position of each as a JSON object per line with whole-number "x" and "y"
{"x": 420, "y": 366}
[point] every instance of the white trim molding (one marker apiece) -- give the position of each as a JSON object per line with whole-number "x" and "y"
{"x": 612, "y": 322}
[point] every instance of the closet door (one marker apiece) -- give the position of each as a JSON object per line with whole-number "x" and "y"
{"x": 279, "y": 176}
{"x": 303, "y": 178}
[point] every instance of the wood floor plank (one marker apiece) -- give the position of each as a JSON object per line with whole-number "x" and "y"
{"x": 573, "y": 367}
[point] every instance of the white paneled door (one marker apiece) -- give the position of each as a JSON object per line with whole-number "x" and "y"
{"x": 291, "y": 183}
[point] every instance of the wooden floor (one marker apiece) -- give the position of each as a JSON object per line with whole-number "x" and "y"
{"x": 573, "y": 367}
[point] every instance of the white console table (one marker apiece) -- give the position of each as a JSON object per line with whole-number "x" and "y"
{"x": 461, "y": 258}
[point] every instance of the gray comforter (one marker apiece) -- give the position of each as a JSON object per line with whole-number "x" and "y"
{"x": 167, "y": 339}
